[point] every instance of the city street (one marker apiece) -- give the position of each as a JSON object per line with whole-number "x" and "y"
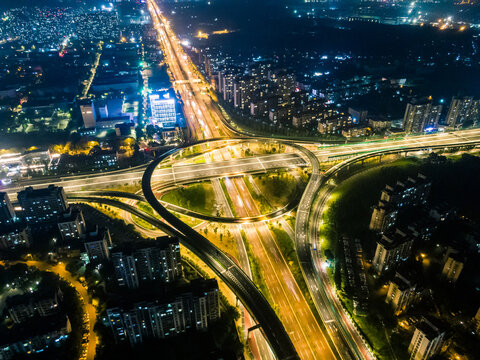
{"x": 88, "y": 349}
{"x": 255, "y": 137}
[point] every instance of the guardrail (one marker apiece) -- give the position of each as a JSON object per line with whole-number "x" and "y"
{"x": 220, "y": 219}
{"x": 302, "y": 225}
{"x": 228, "y": 271}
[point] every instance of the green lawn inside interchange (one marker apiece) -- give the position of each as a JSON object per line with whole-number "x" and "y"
{"x": 278, "y": 188}
{"x": 262, "y": 203}
{"x": 198, "y": 197}
{"x": 142, "y": 223}
{"x": 227, "y": 195}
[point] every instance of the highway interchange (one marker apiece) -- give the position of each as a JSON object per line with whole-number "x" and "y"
{"x": 240, "y": 166}
{"x": 301, "y": 336}
{"x": 445, "y": 141}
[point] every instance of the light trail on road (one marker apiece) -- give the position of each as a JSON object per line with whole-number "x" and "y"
{"x": 206, "y": 121}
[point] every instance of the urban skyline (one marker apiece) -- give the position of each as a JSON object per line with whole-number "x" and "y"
{"x": 239, "y": 180}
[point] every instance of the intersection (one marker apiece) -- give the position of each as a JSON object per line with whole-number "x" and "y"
{"x": 293, "y": 331}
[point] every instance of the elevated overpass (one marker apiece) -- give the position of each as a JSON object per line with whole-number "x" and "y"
{"x": 346, "y": 337}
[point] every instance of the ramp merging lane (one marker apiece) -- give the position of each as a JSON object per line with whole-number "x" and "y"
{"x": 343, "y": 333}
{"x": 229, "y": 272}
{"x": 220, "y": 219}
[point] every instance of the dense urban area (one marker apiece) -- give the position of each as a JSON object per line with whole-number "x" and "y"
{"x": 227, "y": 179}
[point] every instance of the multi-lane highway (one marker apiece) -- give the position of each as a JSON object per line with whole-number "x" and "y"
{"x": 174, "y": 174}
{"x": 204, "y": 118}
{"x": 344, "y": 336}
{"x": 182, "y": 173}
{"x": 296, "y": 314}
{"x": 256, "y": 341}
{"x": 246, "y": 165}
{"x": 205, "y": 121}
{"x": 337, "y": 152}
{"x": 193, "y": 172}
{"x": 230, "y": 272}
{"x": 341, "y": 329}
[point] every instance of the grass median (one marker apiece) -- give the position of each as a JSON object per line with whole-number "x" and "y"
{"x": 229, "y": 199}
{"x": 257, "y": 273}
{"x": 198, "y": 197}
{"x": 278, "y": 187}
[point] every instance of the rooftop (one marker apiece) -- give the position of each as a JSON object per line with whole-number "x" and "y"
{"x": 430, "y": 328}
{"x": 34, "y": 327}
{"x": 395, "y": 238}
{"x": 30, "y": 192}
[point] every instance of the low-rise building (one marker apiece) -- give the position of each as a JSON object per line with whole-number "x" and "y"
{"x": 105, "y": 159}
{"x": 171, "y": 134}
{"x": 379, "y": 124}
{"x": 334, "y": 125}
{"x": 125, "y": 129}
{"x": 12, "y": 237}
{"x": 356, "y": 131}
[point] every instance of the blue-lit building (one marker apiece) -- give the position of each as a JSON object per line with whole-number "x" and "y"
{"x": 7, "y": 213}
{"x": 97, "y": 245}
{"x": 106, "y": 114}
{"x": 163, "y": 109}
{"x": 14, "y": 236}
{"x": 35, "y": 336}
{"x": 39, "y": 323}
